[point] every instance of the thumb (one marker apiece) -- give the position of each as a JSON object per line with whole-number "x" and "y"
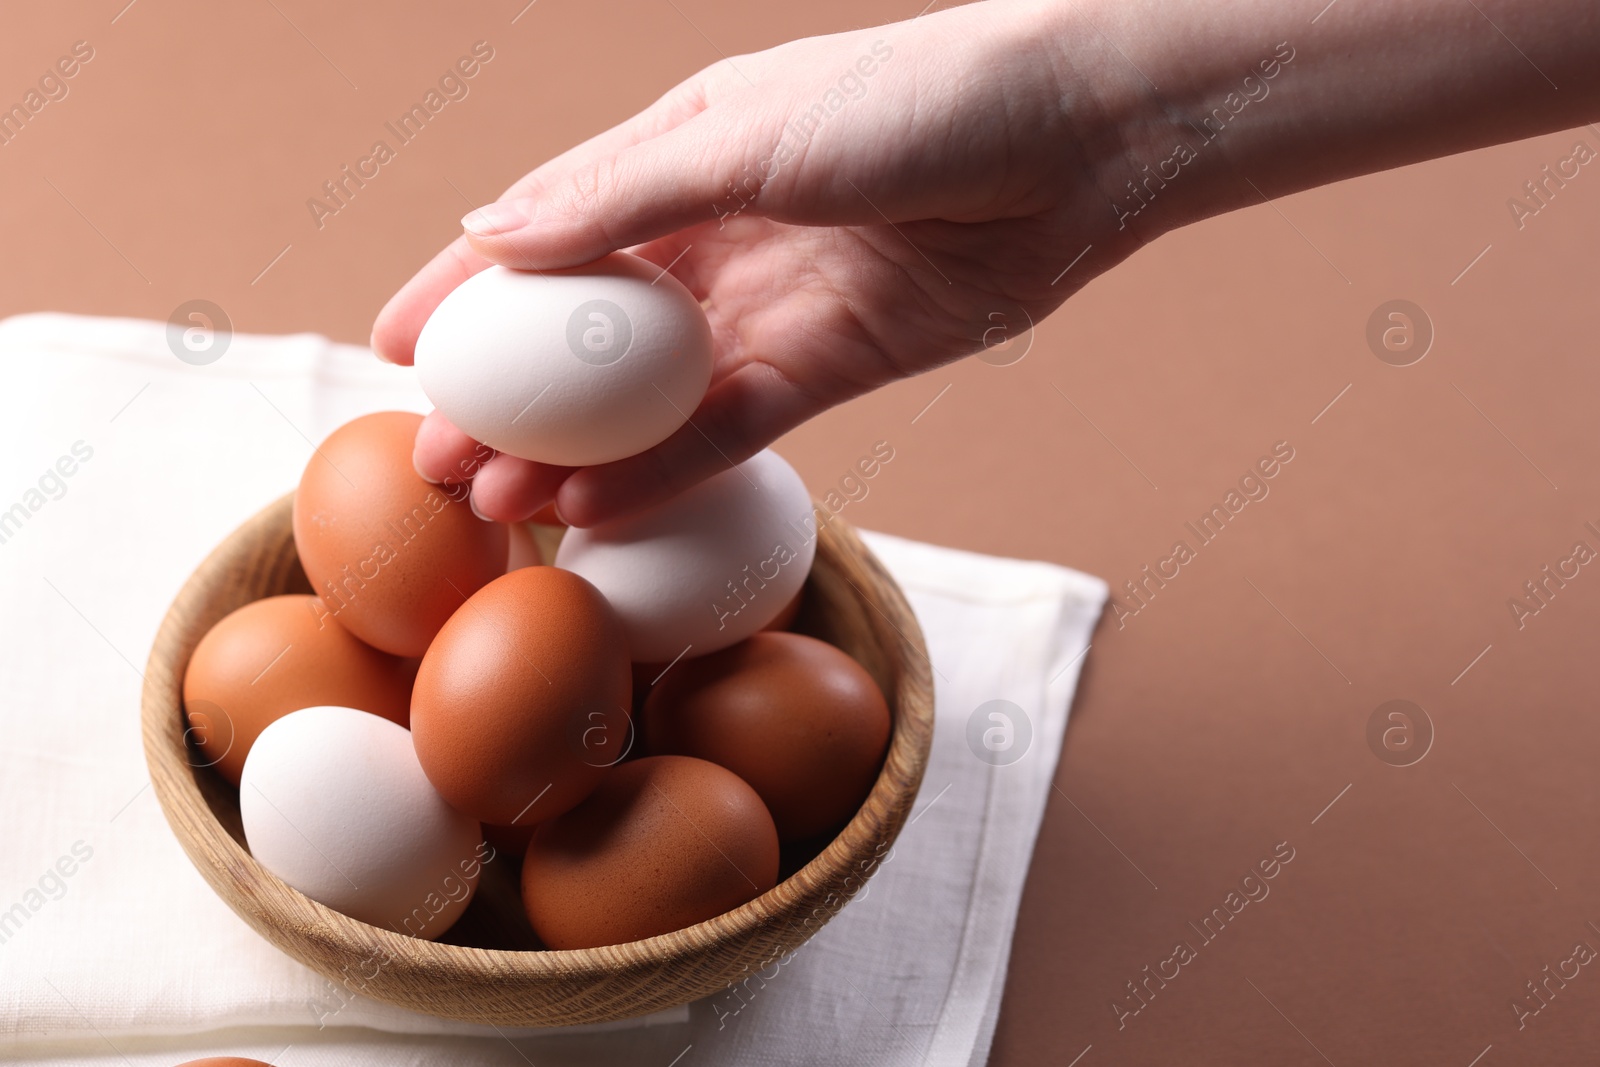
{"x": 624, "y": 198}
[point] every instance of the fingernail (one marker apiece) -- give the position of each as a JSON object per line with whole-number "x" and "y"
{"x": 424, "y": 474}
{"x": 494, "y": 220}
{"x": 372, "y": 343}
{"x": 472, "y": 503}
{"x": 555, "y": 506}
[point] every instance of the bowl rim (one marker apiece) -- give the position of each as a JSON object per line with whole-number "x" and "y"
{"x": 298, "y": 924}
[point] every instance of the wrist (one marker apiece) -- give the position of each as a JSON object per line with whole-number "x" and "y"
{"x": 1218, "y": 106}
{"x": 1158, "y": 101}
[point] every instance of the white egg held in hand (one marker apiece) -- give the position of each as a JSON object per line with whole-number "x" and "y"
{"x": 335, "y": 803}
{"x": 707, "y": 568}
{"x": 572, "y": 367}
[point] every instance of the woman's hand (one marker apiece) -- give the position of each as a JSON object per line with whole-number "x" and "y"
{"x": 851, "y": 209}
{"x": 861, "y": 207}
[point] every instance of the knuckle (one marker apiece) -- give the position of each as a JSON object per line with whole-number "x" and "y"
{"x": 586, "y": 189}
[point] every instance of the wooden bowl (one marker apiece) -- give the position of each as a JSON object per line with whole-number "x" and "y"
{"x": 850, "y": 601}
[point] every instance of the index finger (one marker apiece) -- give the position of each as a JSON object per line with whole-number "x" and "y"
{"x": 395, "y": 330}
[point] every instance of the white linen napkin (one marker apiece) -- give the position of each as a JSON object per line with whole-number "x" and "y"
{"x": 124, "y": 465}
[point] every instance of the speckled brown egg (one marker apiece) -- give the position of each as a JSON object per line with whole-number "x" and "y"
{"x": 275, "y": 656}
{"x": 522, "y": 701}
{"x": 664, "y": 843}
{"x": 390, "y": 554}
{"x": 645, "y": 674}
{"x": 795, "y": 717}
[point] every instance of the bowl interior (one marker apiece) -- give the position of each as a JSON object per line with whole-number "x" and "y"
{"x": 849, "y": 602}
{"x": 496, "y": 918}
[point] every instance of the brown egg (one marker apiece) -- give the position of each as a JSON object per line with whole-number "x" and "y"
{"x": 522, "y": 701}
{"x": 224, "y": 1061}
{"x": 275, "y": 656}
{"x": 798, "y": 719}
{"x": 645, "y": 674}
{"x": 391, "y": 555}
{"x": 664, "y": 843}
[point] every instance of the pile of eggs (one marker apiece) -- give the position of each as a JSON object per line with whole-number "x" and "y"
{"x": 631, "y": 722}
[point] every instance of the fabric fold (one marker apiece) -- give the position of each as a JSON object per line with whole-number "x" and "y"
{"x": 124, "y": 465}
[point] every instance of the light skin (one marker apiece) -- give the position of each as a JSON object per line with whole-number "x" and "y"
{"x": 959, "y": 178}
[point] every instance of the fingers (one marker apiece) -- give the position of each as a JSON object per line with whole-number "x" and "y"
{"x": 445, "y": 454}
{"x": 394, "y": 332}
{"x": 508, "y": 489}
{"x": 504, "y": 488}
{"x": 743, "y": 414}
{"x": 679, "y": 104}
{"x": 611, "y": 201}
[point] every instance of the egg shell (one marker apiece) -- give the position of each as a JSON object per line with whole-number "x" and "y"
{"x": 334, "y": 802}
{"x": 573, "y": 367}
{"x": 390, "y": 554}
{"x": 707, "y": 568}
{"x": 646, "y": 674}
{"x": 524, "y": 698}
{"x": 224, "y": 1061}
{"x": 664, "y": 843}
{"x": 799, "y": 720}
{"x": 278, "y": 655}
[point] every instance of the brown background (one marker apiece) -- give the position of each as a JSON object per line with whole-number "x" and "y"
{"x": 1222, "y": 720}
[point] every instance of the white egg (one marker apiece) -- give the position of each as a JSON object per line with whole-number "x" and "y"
{"x": 707, "y": 568}
{"x": 335, "y": 803}
{"x": 573, "y": 367}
